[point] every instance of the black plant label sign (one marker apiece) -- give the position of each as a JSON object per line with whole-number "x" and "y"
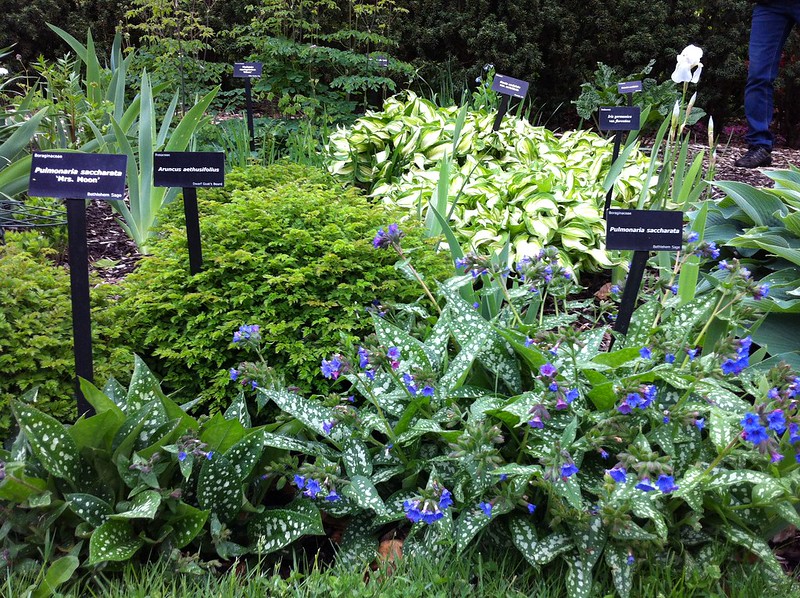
{"x": 189, "y": 169}
{"x": 247, "y": 70}
{"x": 620, "y": 118}
{"x": 509, "y": 86}
{"x": 72, "y": 175}
{"x": 629, "y": 87}
{"x": 644, "y": 230}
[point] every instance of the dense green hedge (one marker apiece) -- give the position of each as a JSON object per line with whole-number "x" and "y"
{"x": 284, "y": 247}
{"x": 36, "y": 329}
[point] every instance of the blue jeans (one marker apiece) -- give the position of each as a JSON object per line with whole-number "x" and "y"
{"x": 772, "y": 24}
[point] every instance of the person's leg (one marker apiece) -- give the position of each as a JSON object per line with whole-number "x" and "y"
{"x": 770, "y": 29}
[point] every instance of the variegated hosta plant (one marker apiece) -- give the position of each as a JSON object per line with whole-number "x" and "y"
{"x": 522, "y": 183}
{"x": 459, "y": 430}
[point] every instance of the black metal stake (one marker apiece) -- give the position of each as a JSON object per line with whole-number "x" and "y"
{"x": 79, "y": 285}
{"x": 631, "y": 291}
{"x": 192, "y": 229}
{"x": 248, "y": 94}
{"x": 614, "y": 156}
{"x": 501, "y": 112}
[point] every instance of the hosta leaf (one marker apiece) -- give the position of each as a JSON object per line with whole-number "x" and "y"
{"x": 579, "y": 578}
{"x": 412, "y": 353}
{"x": 143, "y": 506}
{"x": 276, "y": 528}
{"x": 51, "y": 443}
{"x": 359, "y": 545}
{"x": 245, "y": 454}
{"x": 219, "y": 488}
{"x": 468, "y": 524}
{"x": 144, "y": 387}
{"x": 90, "y": 508}
{"x": 364, "y": 493}
{"x": 113, "y": 541}
{"x": 186, "y": 524}
{"x": 355, "y": 456}
{"x": 621, "y": 572}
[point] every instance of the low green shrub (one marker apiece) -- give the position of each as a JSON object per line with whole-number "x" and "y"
{"x": 284, "y": 246}
{"x": 36, "y": 328}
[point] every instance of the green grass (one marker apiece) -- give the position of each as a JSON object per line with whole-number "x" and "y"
{"x": 473, "y": 575}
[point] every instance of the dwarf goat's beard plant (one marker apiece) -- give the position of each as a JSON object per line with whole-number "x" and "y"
{"x": 507, "y": 423}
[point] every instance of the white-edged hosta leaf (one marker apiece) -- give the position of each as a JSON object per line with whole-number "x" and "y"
{"x": 113, "y": 541}
{"x": 51, "y": 443}
{"x": 412, "y": 353}
{"x": 621, "y": 572}
{"x": 468, "y": 524}
{"x": 275, "y": 528}
{"x": 238, "y": 410}
{"x": 359, "y": 545}
{"x": 143, "y": 506}
{"x": 144, "y": 387}
{"x": 363, "y": 492}
{"x": 186, "y": 523}
{"x": 245, "y": 454}
{"x": 310, "y": 413}
{"x": 90, "y": 508}
{"x": 524, "y": 536}
{"x": 579, "y": 578}
{"x": 355, "y": 456}
{"x": 754, "y": 544}
{"x": 219, "y": 488}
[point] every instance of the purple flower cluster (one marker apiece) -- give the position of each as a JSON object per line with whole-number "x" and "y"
{"x": 413, "y": 386}
{"x": 539, "y": 415}
{"x": 740, "y": 360}
{"x": 247, "y": 332}
{"x": 428, "y": 510}
{"x": 332, "y": 368}
{"x": 474, "y": 264}
{"x": 314, "y": 488}
{"x": 706, "y": 249}
{"x": 388, "y": 238}
{"x": 640, "y": 399}
{"x": 542, "y": 269}
{"x": 664, "y": 483}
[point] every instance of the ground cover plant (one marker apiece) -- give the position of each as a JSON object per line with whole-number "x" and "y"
{"x": 283, "y": 245}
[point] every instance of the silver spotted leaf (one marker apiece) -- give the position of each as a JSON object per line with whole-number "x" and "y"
{"x": 590, "y": 540}
{"x": 524, "y": 536}
{"x": 143, "y": 506}
{"x": 245, "y": 454}
{"x": 412, "y": 352}
{"x": 550, "y": 547}
{"x": 144, "y": 387}
{"x": 219, "y": 488}
{"x": 616, "y": 559}
{"x": 356, "y": 458}
{"x": 359, "y": 545}
{"x": 238, "y": 410}
{"x": 113, "y": 541}
{"x": 579, "y": 578}
{"x": 468, "y": 524}
{"x": 53, "y": 446}
{"x": 754, "y": 544}
{"x": 187, "y": 522}
{"x": 275, "y": 528}
{"x": 363, "y": 492}
{"x": 310, "y": 413}
{"x": 93, "y": 510}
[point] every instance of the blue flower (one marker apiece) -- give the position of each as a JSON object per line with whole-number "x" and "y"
{"x": 692, "y": 353}
{"x": 548, "y": 370}
{"x": 776, "y": 457}
{"x": 669, "y": 358}
{"x": 536, "y": 422}
{"x": 645, "y": 352}
{"x": 615, "y": 289}
{"x": 327, "y": 427}
{"x": 793, "y": 435}
{"x": 486, "y": 507}
{"x": 299, "y": 481}
{"x": 182, "y": 456}
{"x": 773, "y": 393}
{"x": 757, "y": 435}
{"x": 411, "y": 507}
{"x": 700, "y": 423}
{"x": 388, "y": 237}
{"x": 731, "y": 366}
{"x": 503, "y": 477}
{"x": 209, "y": 455}
{"x": 531, "y": 508}
{"x": 393, "y": 353}
{"x": 331, "y": 369}
{"x": 665, "y": 419}
{"x": 234, "y": 373}
{"x": 618, "y": 474}
{"x": 312, "y": 488}
{"x": 674, "y": 289}
{"x": 723, "y": 265}
{"x": 666, "y": 484}
{"x": 427, "y": 391}
{"x": 446, "y": 499}
{"x": 631, "y": 559}
{"x": 692, "y": 237}
{"x": 645, "y": 485}
{"x": 571, "y": 395}
{"x": 332, "y": 495}
{"x": 750, "y": 421}
{"x": 363, "y": 357}
{"x": 761, "y": 292}
{"x": 528, "y": 341}
{"x": 553, "y": 386}
{"x": 568, "y": 470}
{"x": 604, "y": 453}
{"x": 777, "y": 421}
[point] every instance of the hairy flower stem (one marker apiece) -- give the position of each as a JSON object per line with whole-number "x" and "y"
{"x": 425, "y": 288}
{"x": 731, "y": 445}
{"x": 500, "y": 283}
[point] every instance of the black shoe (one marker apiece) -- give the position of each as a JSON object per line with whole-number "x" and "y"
{"x": 755, "y": 157}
